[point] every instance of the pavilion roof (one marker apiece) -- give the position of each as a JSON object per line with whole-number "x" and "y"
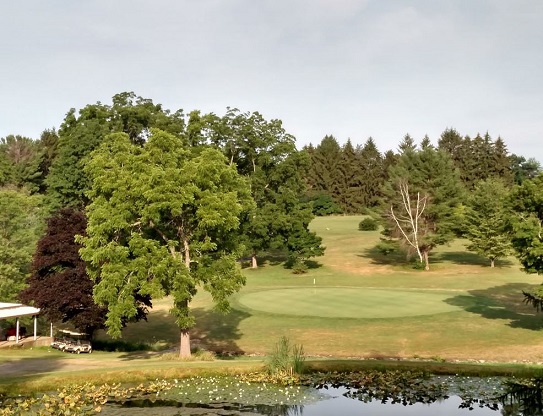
{"x": 13, "y": 310}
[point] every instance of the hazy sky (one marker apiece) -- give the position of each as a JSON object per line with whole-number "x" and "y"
{"x": 351, "y": 68}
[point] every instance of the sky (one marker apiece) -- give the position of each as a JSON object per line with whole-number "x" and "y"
{"x": 350, "y": 68}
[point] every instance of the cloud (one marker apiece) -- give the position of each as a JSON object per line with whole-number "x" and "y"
{"x": 347, "y": 67}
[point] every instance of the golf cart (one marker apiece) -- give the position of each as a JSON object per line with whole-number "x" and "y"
{"x": 74, "y": 342}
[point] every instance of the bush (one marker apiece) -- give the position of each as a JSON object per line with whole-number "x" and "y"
{"x": 323, "y": 204}
{"x": 368, "y": 224}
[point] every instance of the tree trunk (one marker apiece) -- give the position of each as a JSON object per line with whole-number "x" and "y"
{"x": 491, "y": 262}
{"x": 187, "y": 253}
{"x": 426, "y": 261}
{"x": 184, "y": 343}
{"x": 253, "y": 260}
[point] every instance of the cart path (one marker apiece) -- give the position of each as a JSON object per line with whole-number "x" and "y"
{"x": 43, "y": 366}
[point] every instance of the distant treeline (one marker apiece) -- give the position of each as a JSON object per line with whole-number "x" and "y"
{"x": 348, "y": 179}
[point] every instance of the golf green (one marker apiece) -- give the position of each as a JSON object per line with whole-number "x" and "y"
{"x": 347, "y": 302}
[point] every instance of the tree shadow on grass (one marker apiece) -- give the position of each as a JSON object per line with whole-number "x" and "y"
{"x": 501, "y": 302}
{"x": 218, "y": 332}
{"x": 312, "y": 264}
{"x": 376, "y": 256}
{"x": 272, "y": 259}
{"x": 276, "y": 259}
{"x": 30, "y": 368}
{"x": 467, "y": 258}
{"x": 399, "y": 258}
{"x": 214, "y": 331}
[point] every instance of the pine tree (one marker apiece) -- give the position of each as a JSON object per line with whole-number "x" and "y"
{"x": 407, "y": 144}
{"x": 325, "y": 168}
{"x": 372, "y": 173}
{"x": 349, "y": 190}
{"x": 486, "y": 219}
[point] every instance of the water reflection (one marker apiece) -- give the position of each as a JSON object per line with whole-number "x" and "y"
{"x": 462, "y": 396}
{"x": 339, "y": 405}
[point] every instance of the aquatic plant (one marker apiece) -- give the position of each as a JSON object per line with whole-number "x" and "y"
{"x": 286, "y": 360}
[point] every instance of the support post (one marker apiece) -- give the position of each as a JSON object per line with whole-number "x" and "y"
{"x": 17, "y": 331}
{"x": 51, "y": 333}
{"x": 35, "y": 327}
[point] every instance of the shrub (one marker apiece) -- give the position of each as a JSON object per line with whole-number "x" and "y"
{"x": 323, "y": 204}
{"x": 368, "y": 224}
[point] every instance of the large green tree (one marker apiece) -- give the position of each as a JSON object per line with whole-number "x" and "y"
{"x": 420, "y": 199}
{"x": 83, "y": 131}
{"x": 163, "y": 219}
{"x": 485, "y": 220}
{"x": 527, "y": 231}
{"x": 264, "y": 153}
{"x": 21, "y": 224}
{"x": 527, "y": 224}
{"x": 522, "y": 169}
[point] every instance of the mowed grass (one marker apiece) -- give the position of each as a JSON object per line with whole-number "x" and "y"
{"x": 355, "y": 302}
{"x": 347, "y": 302}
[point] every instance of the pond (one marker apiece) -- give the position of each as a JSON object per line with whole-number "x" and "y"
{"x": 318, "y": 394}
{"x": 445, "y": 396}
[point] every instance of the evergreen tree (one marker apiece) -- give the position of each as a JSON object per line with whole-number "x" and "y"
{"x": 349, "y": 189}
{"x": 49, "y": 147}
{"x": 452, "y": 143}
{"x": 502, "y": 161}
{"x": 389, "y": 159}
{"x": 372, "y": 173}
{"x": 324, "y": 174}
{"x": 420, "y": 199}
{"x": 407, "y": 144}
{"x": 486, "y": 219}
{"x": 527, "y": 206}
{"x": 425, "y": 142}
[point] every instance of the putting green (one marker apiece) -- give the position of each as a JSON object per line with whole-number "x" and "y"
{"x": 341, "y": 302}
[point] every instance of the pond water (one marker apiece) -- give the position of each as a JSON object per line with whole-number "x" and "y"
{"x": 335, "y": 404}
{"x": 318, "y": 394}
{"x": 230, "y": 397}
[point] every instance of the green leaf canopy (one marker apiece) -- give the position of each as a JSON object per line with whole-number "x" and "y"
{"x": 162, "y": 220}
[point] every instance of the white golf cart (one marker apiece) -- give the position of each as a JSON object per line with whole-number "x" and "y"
{"x": 71, "y": 341}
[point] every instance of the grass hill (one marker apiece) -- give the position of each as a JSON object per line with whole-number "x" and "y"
{"x": 356, "y": 302}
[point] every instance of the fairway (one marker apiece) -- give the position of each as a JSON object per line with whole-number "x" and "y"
{"x": 348, "y": 302}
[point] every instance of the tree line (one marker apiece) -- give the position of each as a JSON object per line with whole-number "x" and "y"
{"x": 349, "y": 180}
{"x": 128, "y": 202}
